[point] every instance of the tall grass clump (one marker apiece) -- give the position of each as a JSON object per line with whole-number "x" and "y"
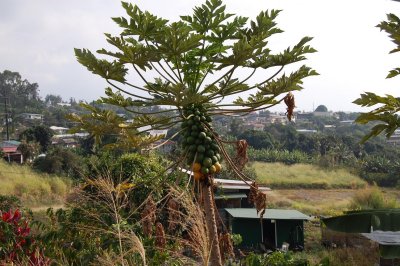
{"x": 278, "y": 175}
{"x": 94, "y": 229}
{"x": 372, "y": 198}
{"x": 191, "y": 219}
{"x": 32, "y": 188}
{"x": 102, "y": 226}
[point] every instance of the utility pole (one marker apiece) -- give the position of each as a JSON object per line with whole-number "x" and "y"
{"x": 6, "y": 114}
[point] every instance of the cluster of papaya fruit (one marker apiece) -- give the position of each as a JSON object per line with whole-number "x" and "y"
{"x": 203, "y": 153}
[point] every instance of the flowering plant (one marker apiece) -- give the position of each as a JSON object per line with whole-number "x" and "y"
{"x": 16, "y": 243}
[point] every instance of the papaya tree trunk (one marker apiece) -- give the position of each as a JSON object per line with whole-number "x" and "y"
{"x": 215, "y": 255}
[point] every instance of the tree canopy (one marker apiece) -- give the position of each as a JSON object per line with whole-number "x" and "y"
{"x": 321, "y": 108}
{"x": 20, "y": 93}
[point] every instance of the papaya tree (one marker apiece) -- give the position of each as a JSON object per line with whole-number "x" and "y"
{"x": 193, "y": 69}
{"x": 387, "y": 107}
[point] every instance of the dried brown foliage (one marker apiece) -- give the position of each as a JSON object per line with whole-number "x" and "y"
{"x": 148, "y": 216}
{"x": 289, "y": 101}
{"x": 193, "y": 223}
{"x": 261, "y": 203}
{"x": 241, "y": 154}
{"x": 101, "y": 195}
{"x": 258, "y": 198}
{"x": 226, "y": 246}
{"x": 160, "y": 236}
{"x": 173, "y": 214}
{"x": 253, "y": 193}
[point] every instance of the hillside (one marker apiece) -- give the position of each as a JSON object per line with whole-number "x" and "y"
{"x": 278, "y": 175}
{"x": 32, "y": 188}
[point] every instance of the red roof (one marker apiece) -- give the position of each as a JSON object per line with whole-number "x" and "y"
{"x": 9, "y": 149}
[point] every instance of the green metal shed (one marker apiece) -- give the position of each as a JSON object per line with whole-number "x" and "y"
{"x": 365, "y": 222}
{"x": 276, "y": 227}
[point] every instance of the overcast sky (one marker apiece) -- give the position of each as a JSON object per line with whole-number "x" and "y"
{"x": 37, "y": 40}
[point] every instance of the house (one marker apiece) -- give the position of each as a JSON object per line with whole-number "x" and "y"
{"x": 59, "y": 130}
{"x": 323, "y": 114}
{"x": 307, "y": 131}
{"x": 304, "y": 116}
{"x": 277, "y": 119}
{"x": 395, "y": 138}
{"x": 28, "y": 116}
{"x": 158, "y": 132}
{"x": 70, "y": 142}
{"x": 254, "y": 126}
{"x": 370, "y": 230}
{"x": 346, "y": 122}
{"x": 11, "y": 152}
{"x": 278, "y": 229}
{"x": 64, "y": 104}
{"x": 232, "y": 194}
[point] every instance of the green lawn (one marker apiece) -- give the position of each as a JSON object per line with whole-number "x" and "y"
{"x": 32, "y": 188}
{"x": 278, "y": 175}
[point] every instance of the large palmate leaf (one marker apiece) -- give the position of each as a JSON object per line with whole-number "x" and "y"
{"x": 386, "y": 107}
{"x": 195, "y": 60}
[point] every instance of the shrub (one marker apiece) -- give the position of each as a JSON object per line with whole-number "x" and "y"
{"x": 382, "y": 171}
{"x": 16, "y": 244}
{"x": 9, "y": 202}
{"x": 371, "y": 198}
{"x": 60, "y": 162}
{"x": 276, "y": 258}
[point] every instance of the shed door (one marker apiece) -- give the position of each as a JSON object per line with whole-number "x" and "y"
{"x": 269, "y": 234}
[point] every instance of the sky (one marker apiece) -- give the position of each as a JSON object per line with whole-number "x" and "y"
{"x": 37, "y": 39}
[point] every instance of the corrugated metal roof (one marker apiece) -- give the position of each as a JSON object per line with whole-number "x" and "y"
{"x": 9, "y": 149}
{"x": 231, "y": 196}
{"x": 361, "y": 221}
{"x": 228, "y": 183}
{"x": 10, "y": 143}
{"x": 386, "y": 238}
{"x": 235, "y": 184}
{"x": 276, "y": 214}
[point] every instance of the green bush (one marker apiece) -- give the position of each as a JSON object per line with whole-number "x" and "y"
{"x": 60, "y": 161}
{"x": 372, "y": 198}
{"x": 9, "y": 202}
{"x": 144, "y": 171}
{"x": 276, "y": 258}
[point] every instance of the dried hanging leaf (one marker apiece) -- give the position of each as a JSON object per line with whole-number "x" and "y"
{"x": 253, "y": 193}
{"x": 173, "y": 214}
{"x": 261, "y": 203}
{"x": 241, "y": 154}
{"x": 148, "y": 216}
{"x": 226, "y": 246}
{"x": 289, "y": 101}
{"x": 160, "y": 236}
{"x": 258, "y": 198}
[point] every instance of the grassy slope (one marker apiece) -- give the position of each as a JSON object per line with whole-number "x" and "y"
{"x": 277, "y": 175}
{"x": 32, "y": 188}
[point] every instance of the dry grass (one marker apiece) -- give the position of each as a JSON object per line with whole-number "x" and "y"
{"x": 277, "y": 175}
{"x": 111, "y": 202}
{"x": 373, "y": 198}
{"x": 312, "y": 201}
{"x": 32, "y": 188}
{"x": 193, "y": 221}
